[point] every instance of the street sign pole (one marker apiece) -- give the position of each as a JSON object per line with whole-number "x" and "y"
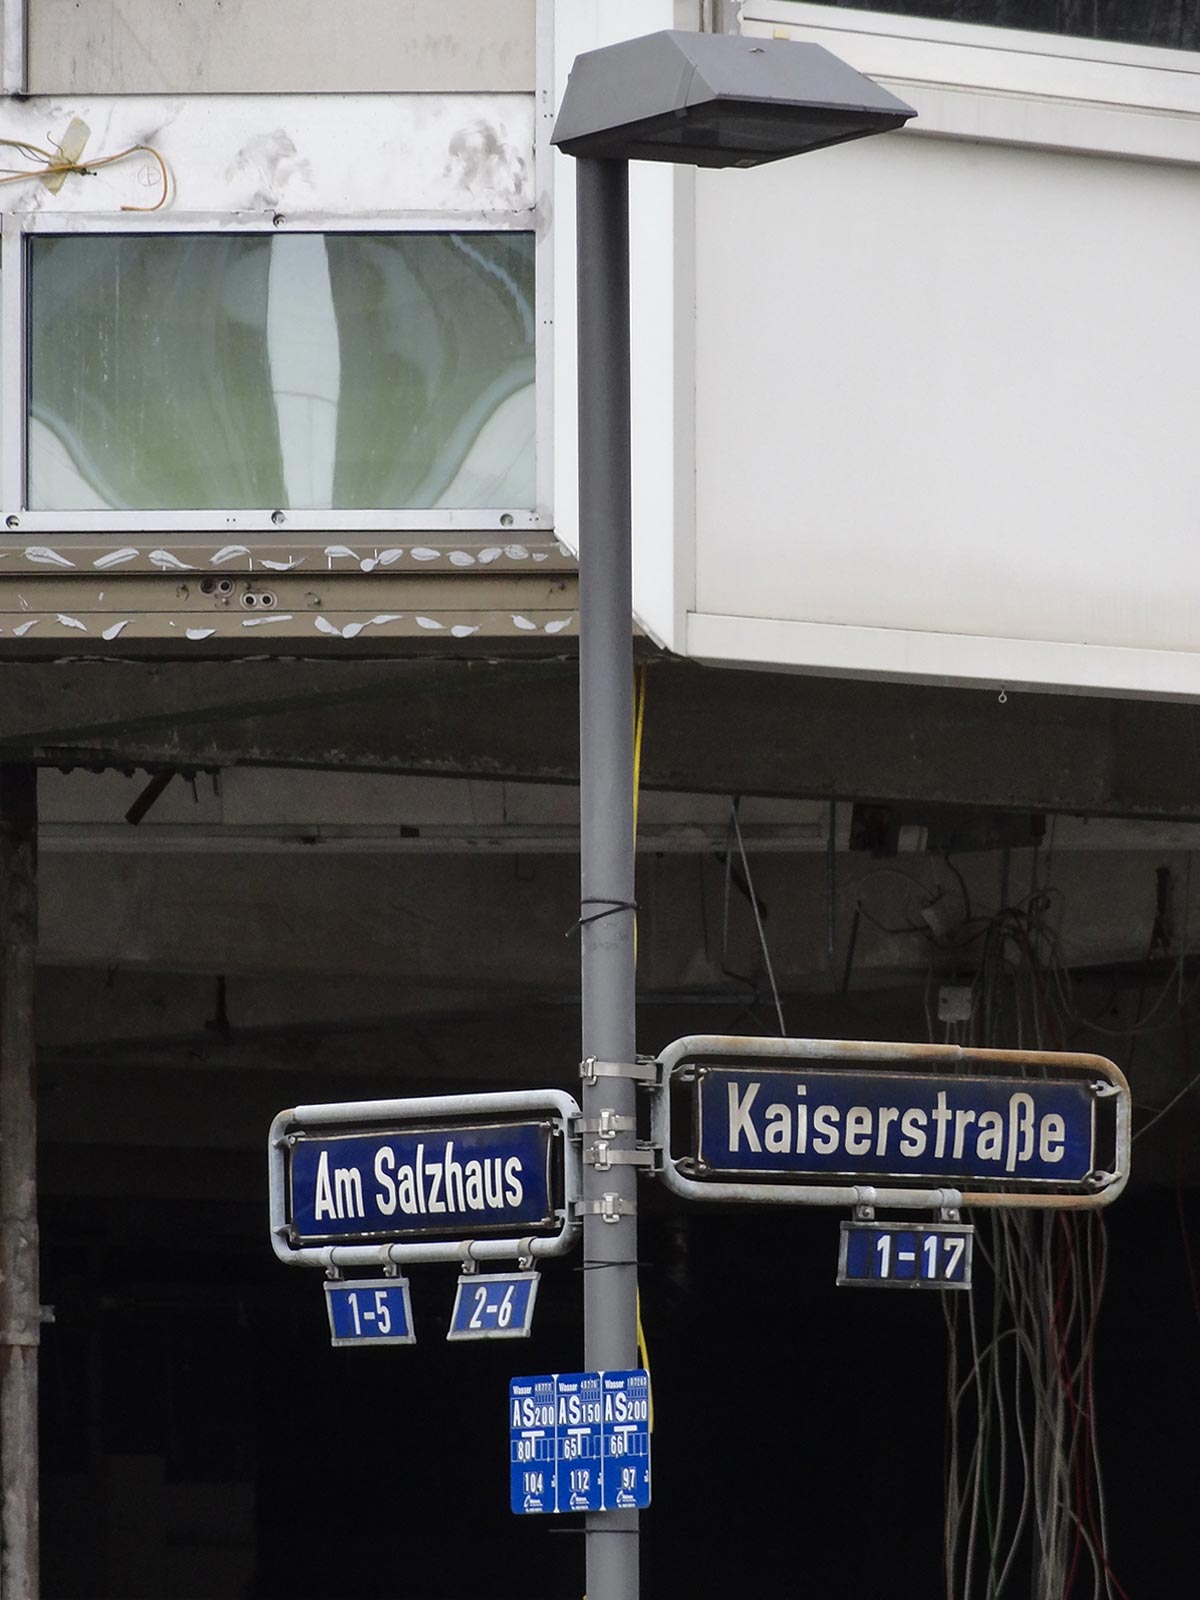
{"x": 606, "y": 811}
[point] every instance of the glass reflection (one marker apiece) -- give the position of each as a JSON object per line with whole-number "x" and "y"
{"x": 308, "y": 371}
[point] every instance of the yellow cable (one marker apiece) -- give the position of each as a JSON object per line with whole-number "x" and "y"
{"x": 639, "y": 723}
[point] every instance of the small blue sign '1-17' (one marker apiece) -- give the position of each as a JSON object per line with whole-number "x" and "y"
{"x": 897, "y": 1255}
{"x": 579, "y": 1441}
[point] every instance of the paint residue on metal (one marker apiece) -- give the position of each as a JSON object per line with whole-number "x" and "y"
{"x": 485, "y": 166}
{"x": 274, "y": 164}
{"x": 42, "y": 555}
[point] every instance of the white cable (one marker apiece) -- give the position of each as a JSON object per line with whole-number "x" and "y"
{"x": 1170, "y": 1106}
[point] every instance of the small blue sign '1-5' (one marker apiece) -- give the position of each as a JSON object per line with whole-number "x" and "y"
{"x": 369, "y": 1311}
{"x": 579, "y": 1441}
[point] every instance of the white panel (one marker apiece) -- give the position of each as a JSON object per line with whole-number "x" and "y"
{"x": 951, "y": 388}
{"x": 336, "y": 155}
{"x": 279, "y": 46}
{"x": 1007, "y": 85}
{"x": 908, "y": 656}
{"x": 13, "y": 40}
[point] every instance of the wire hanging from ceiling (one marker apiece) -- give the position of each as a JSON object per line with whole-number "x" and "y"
{"x": 1025, "y": 1507}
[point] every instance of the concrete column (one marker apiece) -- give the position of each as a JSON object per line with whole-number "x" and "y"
{"x": 20, "y": 1303}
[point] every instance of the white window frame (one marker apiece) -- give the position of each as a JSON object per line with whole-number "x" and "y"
{"x": 346, "y": 200}
{"x": 20, "y": 228}
{"x": 1004, "y": 85}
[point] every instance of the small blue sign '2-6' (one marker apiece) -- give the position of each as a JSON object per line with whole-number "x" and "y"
{"x": 494, "y": 1305}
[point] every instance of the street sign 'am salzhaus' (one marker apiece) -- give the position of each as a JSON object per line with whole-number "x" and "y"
{"x": 405, "y": 1182}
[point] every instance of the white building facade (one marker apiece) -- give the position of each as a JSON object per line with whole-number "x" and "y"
{"x": 903, "y": 409}
{"x": 920, "y": 407}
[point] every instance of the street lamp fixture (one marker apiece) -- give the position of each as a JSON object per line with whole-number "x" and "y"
{"x": 707, "y": 100}
{"x": 717, "y": 100}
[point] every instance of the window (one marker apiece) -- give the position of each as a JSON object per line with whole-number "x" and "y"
{"x": 1174, "y": 24}
{"x": 258, "y": 370}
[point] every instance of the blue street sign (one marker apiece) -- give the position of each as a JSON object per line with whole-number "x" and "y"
{"x": 494, "y": 1305}
{"x": 579, "y": 1441}
{"x": 460, "y": 1180}
{"x": 532, "y": 1450}
{"x": 626, "y": 1441}
{"x": 369, "y": 1311}
{"x": 895, "y": 1255}
{"x": 917, "y": 1128}
{"x": 578, "y": 1459}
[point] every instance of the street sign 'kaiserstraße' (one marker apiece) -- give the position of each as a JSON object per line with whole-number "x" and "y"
{"x": 916, "y": 1129}
{"x": 834, "y": 1122}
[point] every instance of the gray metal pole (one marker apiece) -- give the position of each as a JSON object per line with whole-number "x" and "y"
{"x": 20, "y": 1304}
{"x": 606, "y": 805}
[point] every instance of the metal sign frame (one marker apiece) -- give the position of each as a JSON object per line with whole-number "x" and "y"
{"x": 685, "y": 1054}
{"x": 362, "y": 1116}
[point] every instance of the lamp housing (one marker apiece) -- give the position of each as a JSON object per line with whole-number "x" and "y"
{"x": 716, "y": 100}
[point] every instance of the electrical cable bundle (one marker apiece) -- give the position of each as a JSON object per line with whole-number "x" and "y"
{"x": 1025, "y": 1507}
{"x": 1025, "y": 1511}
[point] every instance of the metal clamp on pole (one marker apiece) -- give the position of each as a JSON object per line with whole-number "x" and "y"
{"x": 639, "y": 1071}
{"x": 606, "y": 1124}
{"x": 467, "y": 1262}
{"x": 601, "y": 1156}
{"x": 609, "y": 1208}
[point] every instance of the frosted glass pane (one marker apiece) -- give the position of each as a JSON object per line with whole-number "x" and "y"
{"x": 307, "y": 371}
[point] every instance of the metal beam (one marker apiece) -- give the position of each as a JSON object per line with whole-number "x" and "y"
{"x": 68, "y": 704}
{"x": 707, "y": 729}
